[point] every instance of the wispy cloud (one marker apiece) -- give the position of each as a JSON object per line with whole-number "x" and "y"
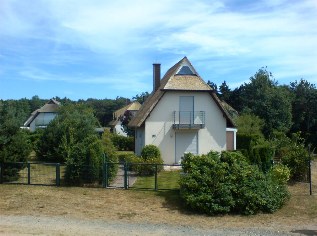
{"x": 114, "y": 42}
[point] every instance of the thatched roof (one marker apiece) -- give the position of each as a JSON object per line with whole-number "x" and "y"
{"x": 134, "y": 106}
{"x": 175, "y": 80}
{"x": 50, "y": 107}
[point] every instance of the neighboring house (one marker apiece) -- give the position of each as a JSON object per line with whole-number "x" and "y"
{"x": 116, "y": 124}
{"x": 183, "y": 114}
{"x": 43, "y": 116}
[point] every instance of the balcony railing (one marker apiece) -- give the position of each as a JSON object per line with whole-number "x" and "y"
{"x": 189, "y": 120}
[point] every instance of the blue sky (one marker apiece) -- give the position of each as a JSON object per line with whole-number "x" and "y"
{"x": 103, "y": 49}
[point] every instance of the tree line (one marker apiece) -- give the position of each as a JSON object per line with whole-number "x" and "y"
{"x": 102, "y": 108}
{"x": 281, "y": 108}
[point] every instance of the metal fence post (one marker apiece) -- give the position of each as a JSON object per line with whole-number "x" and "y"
{"x": 309, "y": 169}
{"x": 58, "y": 174}
{"x": 29, "y": 172}
{"x": 103, "y": 175}
{"x": 155, "y": 185}
{"x": 1, "y": 172}
{"x": 125, "y": 175}
{"x": 106, "y": 174}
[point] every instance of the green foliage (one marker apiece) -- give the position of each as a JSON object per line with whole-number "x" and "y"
{"x": 14, "y": 142}
{"x": 293, "y": 154}
{"x": 262, "y": 156}
{"x": 149, "y": 162}
{"x": 146, "y": 167}
{"x": 280, "y": 173}
{"x": 71, "y": 139}
{"x": 110, "y": 154}
{"x": 122, "y": 143}
{"x": 71, "y": 126}
{"x": 222, "y": 183}
{"x": 245, "y": 142}
{"x": 126, "y": 156}
{"x": 84, "y": 162}
{"x": 150, "y": 152}
{"x": 249, "y": 125}
{"x": 125, "y": 119}
{"x": 103, "y": 108}
{"x": 224, "y": 91}
{"x": 304, "y": 108}
{"x": 35, "y": 137}
{"x": 295, "y": 157}
{"x": 141, "y": 97}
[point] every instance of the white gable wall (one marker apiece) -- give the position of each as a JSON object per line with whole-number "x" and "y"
{"x": 42, "y": 120}
{"x": 159, "y": 130}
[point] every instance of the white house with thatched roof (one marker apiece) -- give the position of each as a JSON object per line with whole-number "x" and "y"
{"x": 116, "y": 123}
{"x": 182, "y": 114}
{"x": 40, "y": 118}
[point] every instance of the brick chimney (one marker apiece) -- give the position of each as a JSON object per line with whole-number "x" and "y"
{"x": 156, "y": 76}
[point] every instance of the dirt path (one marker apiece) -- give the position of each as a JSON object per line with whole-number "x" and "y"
{"x": 43, "y": 225}
{"x": 119, "y": 180}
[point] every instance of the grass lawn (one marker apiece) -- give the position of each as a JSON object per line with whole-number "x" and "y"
{"x": 165, "y": 180}
{"x": 161, "y": 207}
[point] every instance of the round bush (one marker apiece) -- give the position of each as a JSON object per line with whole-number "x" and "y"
{"x": 225, "y": 183}
{"x": 149, "y": 162}
{"x": 150, "y": 152}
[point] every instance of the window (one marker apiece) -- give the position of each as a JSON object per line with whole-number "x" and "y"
{"x": 185, "y": 70}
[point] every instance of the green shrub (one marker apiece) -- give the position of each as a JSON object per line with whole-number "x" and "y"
{"x": 222, "y": 183}
{"x": 73, "y": 123}
{"x": 122, "y": 143}
{"x": 127, "y": 157}
{"x": 110, "y": 155}
{"x": 84, "y": 162}
{"x": 294, "y": 155}
{"x": 149, "y": 162}
{"x": 280, "y": 173}
{"x": 244, "y": 141}
{"x": 147, "y": 167}
{"x": 262, "y": 156}
{"x": 14, "y": 148}
{"x": 150, "y": 152}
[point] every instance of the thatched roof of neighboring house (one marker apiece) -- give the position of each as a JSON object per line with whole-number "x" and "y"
{"x": 134, "y": 106}
{"x": 50, "y": 107}
{"x": 176, "y": 80}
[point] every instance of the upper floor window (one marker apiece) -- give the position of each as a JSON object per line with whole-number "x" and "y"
{"x": 185, "y": 70}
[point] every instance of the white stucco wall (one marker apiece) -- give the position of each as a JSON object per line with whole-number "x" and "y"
{"x": 118, "y": 129}
{"x": 139, "y": 140}
{"x": 42, "y": 120}
{"x": 159, "y": 130}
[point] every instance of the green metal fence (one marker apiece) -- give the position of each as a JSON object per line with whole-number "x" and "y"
{"x": 31, "y": 173}
{"x": 143, "y": 176}
{"x": 114, "y": 175}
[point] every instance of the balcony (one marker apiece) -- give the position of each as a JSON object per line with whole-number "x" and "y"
{"x": 189, "y": 120}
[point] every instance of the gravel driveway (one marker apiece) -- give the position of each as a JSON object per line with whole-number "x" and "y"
{"x": 42, "y": 225}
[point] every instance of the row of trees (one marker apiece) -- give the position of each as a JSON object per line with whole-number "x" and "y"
{"x": 102, "y": 108}
{"x": 284, "y": 108}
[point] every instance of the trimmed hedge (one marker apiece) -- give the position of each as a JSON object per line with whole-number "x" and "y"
{"x": 84, "y": 162}
{"x": 147, "y": 164}
{"x": 122, "y": 143}
{"x": 225, "y": 183}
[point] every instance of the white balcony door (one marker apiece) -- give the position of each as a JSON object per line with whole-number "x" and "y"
{"x": 185, "y": 142}
{"x": 186, "y": 109}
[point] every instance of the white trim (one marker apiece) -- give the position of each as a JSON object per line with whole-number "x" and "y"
{"x": 234, "y": 130}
